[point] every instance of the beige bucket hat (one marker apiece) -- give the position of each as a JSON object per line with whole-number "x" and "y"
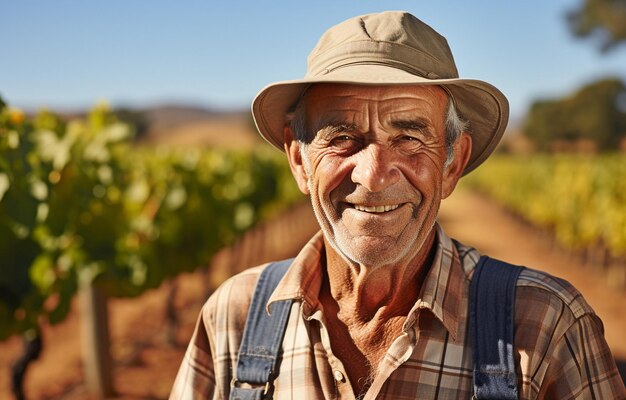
{"x": 389, "y": 48}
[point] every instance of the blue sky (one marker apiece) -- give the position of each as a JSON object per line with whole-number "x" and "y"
{"x": 70, "y": 54}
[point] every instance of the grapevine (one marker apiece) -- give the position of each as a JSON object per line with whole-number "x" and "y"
{"x": 80, "y": 202}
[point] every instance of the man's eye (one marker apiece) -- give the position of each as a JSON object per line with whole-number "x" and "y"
{"x": 342, "y": 140}
{"x": 409, "y": 143}
{"x": 410, "y": 138}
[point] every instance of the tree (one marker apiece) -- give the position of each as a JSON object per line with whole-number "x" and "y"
{"x": 594, "y": 113}
{"x": 604, "y": 20}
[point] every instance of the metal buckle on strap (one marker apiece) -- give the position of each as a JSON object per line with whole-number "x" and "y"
{"x": 244, "y": 385}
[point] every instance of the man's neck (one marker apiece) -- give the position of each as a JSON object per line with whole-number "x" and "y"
{"x": 365, "y": 293}
{"x": 365, "y": 308}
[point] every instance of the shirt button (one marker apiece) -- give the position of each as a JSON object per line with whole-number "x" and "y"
{"x": 338, "y": 375}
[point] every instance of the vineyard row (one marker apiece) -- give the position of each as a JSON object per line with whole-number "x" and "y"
{"x": 580, "y": 198}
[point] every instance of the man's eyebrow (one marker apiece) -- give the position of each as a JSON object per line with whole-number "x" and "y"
{"x": 421, "y": 125}
{"x": 332, "y": 126}
{"x": 410, "y": 123}
{"x": 339, "y": 127}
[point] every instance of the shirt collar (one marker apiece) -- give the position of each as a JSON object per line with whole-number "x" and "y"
{"x": 444, "y": 292}
{"x": 446, "y": 287}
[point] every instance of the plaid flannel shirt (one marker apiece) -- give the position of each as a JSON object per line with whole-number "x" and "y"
{"x": 560, "y": 348}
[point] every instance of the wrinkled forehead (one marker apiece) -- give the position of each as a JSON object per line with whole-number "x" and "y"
{"x": 428, "y": 100}
{"x": 329, "y": 94}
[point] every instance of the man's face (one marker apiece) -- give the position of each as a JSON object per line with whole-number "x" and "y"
{"x": 375, "y": 167}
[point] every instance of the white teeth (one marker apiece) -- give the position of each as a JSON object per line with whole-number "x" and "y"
{"x": 376, "y": 209}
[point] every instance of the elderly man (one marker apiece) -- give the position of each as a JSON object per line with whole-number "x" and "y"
{"x": 378, "y": 303}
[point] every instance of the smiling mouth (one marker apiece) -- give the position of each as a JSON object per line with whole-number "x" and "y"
{"x": 376, "y": 209}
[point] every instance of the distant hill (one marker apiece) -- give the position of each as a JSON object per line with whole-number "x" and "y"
{"x": 181, "y": 125}
{"x": 185, "y": 125}
{"x": 164, "y": 118}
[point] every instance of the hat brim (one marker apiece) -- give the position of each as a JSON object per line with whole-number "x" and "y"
{"x": 478, "y": 102}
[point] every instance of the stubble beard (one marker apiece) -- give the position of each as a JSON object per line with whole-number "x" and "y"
{"x": 341, "y": 242}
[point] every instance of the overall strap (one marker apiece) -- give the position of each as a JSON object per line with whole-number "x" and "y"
{"x": 262, "y": 338}
{"x": 492, "y": 328}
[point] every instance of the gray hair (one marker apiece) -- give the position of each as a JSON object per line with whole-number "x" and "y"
{"x": 454, "y": 125}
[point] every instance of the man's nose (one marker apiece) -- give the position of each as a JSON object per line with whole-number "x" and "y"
{"x": 375, "y": 168}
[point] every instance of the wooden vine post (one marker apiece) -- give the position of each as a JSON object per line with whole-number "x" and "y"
{"x": 95, "y": 341}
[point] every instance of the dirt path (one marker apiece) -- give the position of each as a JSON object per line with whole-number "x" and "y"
{"x": 485, "y": 225}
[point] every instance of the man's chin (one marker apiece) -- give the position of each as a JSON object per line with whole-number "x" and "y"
{"x": 373, "y": 251}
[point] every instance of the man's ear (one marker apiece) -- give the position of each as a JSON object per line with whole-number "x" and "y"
{"x": 292, "y": 148}
{"x": 462, "y": 150}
